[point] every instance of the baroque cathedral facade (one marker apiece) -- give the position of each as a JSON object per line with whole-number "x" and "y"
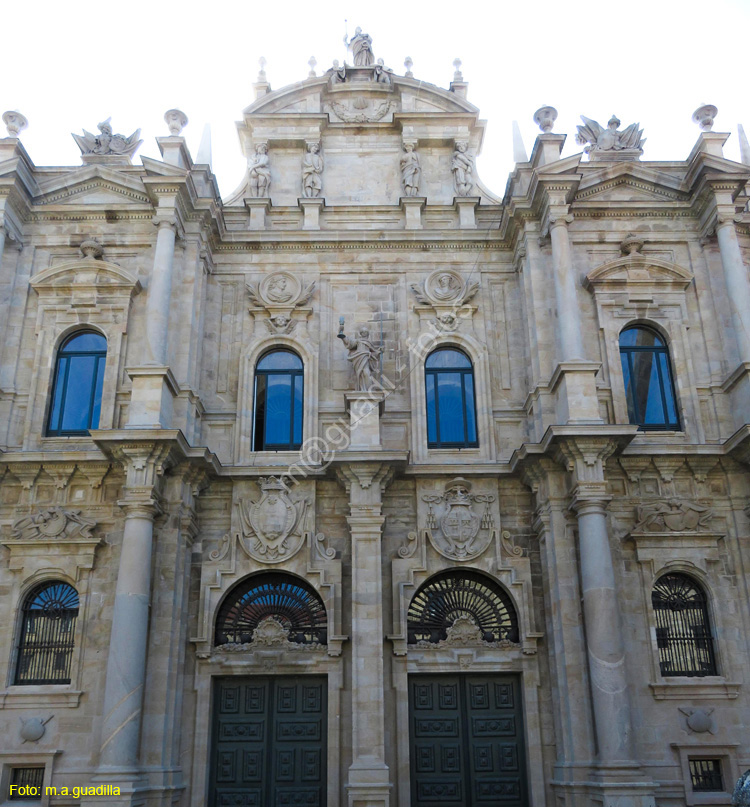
{"x": 365, "y": 485}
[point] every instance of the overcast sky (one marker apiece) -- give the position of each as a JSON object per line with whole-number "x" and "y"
{"x": 652, "y": 62}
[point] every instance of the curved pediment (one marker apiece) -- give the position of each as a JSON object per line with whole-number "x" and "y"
{"x": 639, "y": 270}
{"x": 86, "y": 274}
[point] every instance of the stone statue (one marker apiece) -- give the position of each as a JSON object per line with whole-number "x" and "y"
{"x": 363, "y": 355}
{"x": 106, "y": 142}
{"x": 338, "y": 72}
{"x": 411, "y": 171}
{"x": 741, "y": 795}
{"x": 609, "y": 139}
{"x": 382, "y": 74}
{"x": 259, "y": 172}
{"x": 462, "y": 166}
{"x": 361, "y": 47}
{"x": 312, "y": 168}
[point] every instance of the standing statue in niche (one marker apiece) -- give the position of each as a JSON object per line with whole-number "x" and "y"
{"x": 462, "y": 166}
{"x": 411, "y": 171}
{"x": 363, "y": 355}
{"x": 312, "y": 168}
{"x": 259, "y": 172}
{"x": 361, "y": 47}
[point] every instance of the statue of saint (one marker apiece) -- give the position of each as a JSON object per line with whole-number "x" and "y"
{"x": 338, "y": 72}
{"x": 259, "y": 172}
{"x": 411, "y": 171}
{"x": 363, "y": 355}
{"x": 382, "y": 74}
{"x": 361, "y": 47}
{"x": 312, "y": 168}
{"x": 462, "y": 166}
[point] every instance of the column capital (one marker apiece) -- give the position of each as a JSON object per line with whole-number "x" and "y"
{"x": 164, "y": 221}
{"x": 144, "y": 464}
{"x": 585, "y": 457}
{"x": 139, "y": 503}
{"x": 365, "y": 482}
{"x": 588, "y": 499}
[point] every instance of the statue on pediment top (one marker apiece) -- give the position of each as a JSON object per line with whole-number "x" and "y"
{"x": 610, "y": 139}
{"x": 361, "y": 47}
{"x": 106, "y": 142}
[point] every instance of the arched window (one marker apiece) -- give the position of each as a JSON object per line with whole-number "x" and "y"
{"x": 289, "y": 600}
{"x": 45, "y": 646}
{"x": 451, "y": 409}
{"x": 279, "y": 388}
{"x": 77, "y": 388}
{"x": 683, "y": 631}
{"x": 449, "y": 596}
{"x": 649, "y": 388}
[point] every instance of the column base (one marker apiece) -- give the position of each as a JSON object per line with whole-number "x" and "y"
{"x": 117, "y": 787}
{"x": 369, "y": 786}
{"x": 574, "y": 386}
{"x": 615, "y": 785}
{"x": 152, "y": 397}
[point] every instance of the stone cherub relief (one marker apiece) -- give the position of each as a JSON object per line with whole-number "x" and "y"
{"x": 54, "y": 522}
{"x": 106, "y": 142}
{"x": 457, "y": 531}
{"x": 280, "y": 294}
{"x": 609, "y": 139}
{"x": 259, "y": 172}
{"x": 363, "y": 355}
{"x": 411, "y": 170}
{"x": 673, "y": 515}
{"x": 312, "y": 170}
{"x": 462, "y": 165}
{"x": 273, "y": 527}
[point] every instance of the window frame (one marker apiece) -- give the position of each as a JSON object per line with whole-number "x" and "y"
{"x": 97, "y": 385}
{"x": 630, "y": 397}
{"x": 462, "y": 372}
{"x": 294, "y": 374}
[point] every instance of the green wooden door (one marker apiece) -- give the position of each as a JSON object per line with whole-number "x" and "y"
{"x": 467, "y": 741}
{"x": 269, "y": 742}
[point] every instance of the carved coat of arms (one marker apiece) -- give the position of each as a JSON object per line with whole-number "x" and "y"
{"x": 273, "y": 526}
{"x": 459, "y": 532}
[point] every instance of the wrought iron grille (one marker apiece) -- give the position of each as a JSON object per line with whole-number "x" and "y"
{"x": 450, "y": 595}
{"x": 291, "y": 601}
{"x": 45, "y": 648}
{"x": 26, "y": 777}
{"x": 683, "y": 631}
{"x": 705, "y": 775}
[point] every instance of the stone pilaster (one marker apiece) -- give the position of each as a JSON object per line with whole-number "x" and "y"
{"x": 369, "y": 778}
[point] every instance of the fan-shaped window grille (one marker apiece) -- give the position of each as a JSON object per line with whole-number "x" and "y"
{"x": 289, "y": 600}
{"x": 683, "y": 631}
{"x": 448, "y": 596}
{"x": 45, "y": 647}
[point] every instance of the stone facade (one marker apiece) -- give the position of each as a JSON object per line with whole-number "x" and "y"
{"x": 362, "y": 200}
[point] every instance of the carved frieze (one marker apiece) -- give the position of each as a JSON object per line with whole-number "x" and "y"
{"x": 54, "y": 523}
{"x": 456, "y": 527}
{"x": 270, "y": 634}
{"x": 465, "y": 632}
{"x": 361, "y": 110}
{"x": 673, "y": 515}
{"x": 273, "y": 527}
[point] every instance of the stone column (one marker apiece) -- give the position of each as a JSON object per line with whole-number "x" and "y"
{"x": 144, "y": 465}
{"x": 369, "y": 779}
{"x": 2, "y": 240}
{"x": 126, "y": 663}
{"x": 570, "y": 342}
{"x": 738, "y": 287}
{"x": 159, "y": 292}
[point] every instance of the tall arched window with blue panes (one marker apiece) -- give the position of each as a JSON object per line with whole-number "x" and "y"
{"x": 279, "y": 400}
{"x": 451, "y": 404}
{"x": 77, "y": 386}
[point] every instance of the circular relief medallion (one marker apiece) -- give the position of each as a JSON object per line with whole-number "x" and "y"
{"x": 52, "y": 524}
{"x": 281, "y": 288}
{"x": 445, "y": 286}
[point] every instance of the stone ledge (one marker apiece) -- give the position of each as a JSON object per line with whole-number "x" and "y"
{"x": 696, "y": 689}
{"x": 38, "y": 696}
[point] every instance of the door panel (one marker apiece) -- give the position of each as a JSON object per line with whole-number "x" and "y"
{"x": 269, "y": 742}
{"x": 466, "y": 741}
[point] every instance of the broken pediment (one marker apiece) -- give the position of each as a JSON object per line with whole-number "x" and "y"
{"x": 85, "y": 279}
{"x": 639, "y": 270}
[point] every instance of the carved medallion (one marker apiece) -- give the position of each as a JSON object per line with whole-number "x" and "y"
{"x": 273, "y": 526}
{"x": 445, "y": 289}
{"x": 459, "y": 532}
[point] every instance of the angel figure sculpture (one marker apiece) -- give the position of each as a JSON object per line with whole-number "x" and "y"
{"x": 609, "y": 139}
{"x": 259, "y": 172}
{"x": 363, "y": 354}
{"x": 106, "y": 142}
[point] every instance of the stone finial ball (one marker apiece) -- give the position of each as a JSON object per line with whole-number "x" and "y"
{"x": 545, "y": 118}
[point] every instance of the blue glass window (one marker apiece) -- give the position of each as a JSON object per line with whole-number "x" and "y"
{"x": 77, "y": 386}
{"x": 451, "y": 409}
{"x": 279, "y": 395}
{"x": 649, "y": 388}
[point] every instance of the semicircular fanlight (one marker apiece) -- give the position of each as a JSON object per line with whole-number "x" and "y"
{"x": 450, "y": 595}
{"x": 289, "y": 600}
